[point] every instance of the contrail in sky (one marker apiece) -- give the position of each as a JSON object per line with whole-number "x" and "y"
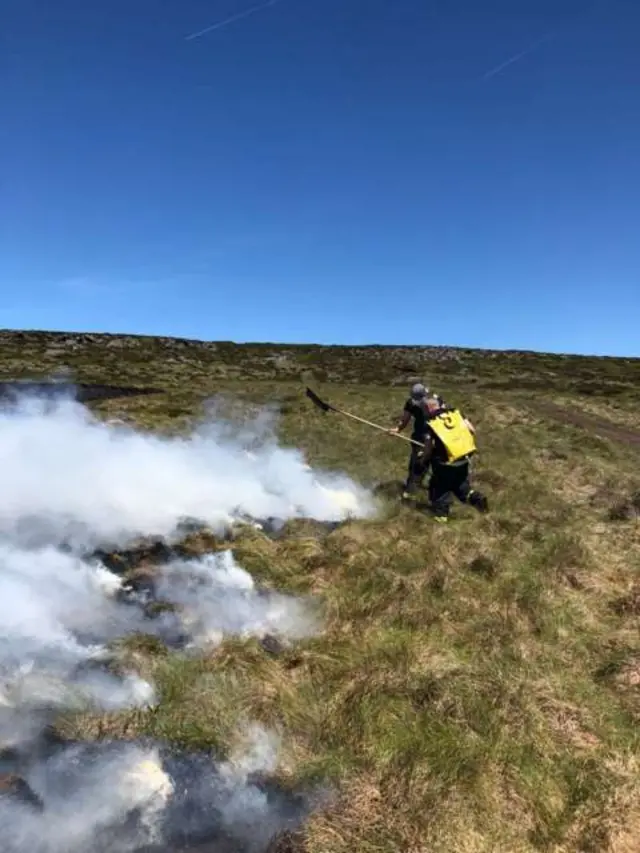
{"x": 516, "y": 57}
{"x": 230, "y": 20}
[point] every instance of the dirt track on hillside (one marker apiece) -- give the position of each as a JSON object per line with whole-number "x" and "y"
{"x": 598, "y": 426}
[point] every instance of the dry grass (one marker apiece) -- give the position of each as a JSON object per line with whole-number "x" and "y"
{"x": 618, "y": 412}
{"x": 476, "y": 688}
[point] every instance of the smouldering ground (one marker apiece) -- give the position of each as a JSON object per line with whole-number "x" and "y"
{"x": 477, "y": 687}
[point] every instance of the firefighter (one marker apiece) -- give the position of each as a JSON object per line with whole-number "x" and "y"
{"x": 415, "y": 408}
{"x": 449, "y": 445}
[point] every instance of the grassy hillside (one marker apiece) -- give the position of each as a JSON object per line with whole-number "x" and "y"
{"x": 477, "y": 688}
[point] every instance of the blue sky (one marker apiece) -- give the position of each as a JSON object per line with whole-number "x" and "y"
{"x": 336, "y": 171}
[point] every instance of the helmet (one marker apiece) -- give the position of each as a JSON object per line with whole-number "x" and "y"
{"x": 418, "y": 391}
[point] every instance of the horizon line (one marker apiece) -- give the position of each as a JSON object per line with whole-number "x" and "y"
{"x": 299, "y": 344}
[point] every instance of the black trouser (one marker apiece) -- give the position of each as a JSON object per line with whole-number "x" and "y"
{"x": 448, "y": 480}
{"x": 416, "y": 468}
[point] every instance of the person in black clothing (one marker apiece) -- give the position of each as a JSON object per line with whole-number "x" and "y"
{"x": 448, "y": 478}
{"x": 415, "y": 407}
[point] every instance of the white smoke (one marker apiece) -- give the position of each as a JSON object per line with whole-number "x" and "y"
{"x": 72, "y": 483}
{"x": 70, "y": 477}
{"x": 246, "y": 803}
{"x": 85, "y": 793}
{"x": 55, "y": 622}
{"x": 217, "y": 598}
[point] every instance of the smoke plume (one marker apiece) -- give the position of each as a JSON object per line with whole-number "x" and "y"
{"x": 70, "y": 477}
{"x": 72, "y": 484}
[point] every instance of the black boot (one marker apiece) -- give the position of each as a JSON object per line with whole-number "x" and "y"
{"x": 409, "y": 489}
{"x": 478, "y": 501}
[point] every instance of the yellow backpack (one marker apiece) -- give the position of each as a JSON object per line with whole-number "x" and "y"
{"x": 455, "y": 435}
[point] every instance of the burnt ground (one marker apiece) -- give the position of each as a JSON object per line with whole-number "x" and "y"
{"x": 271, "y": 817}
{"x": 600, "y": 426}
{"x": 265, "y": 817}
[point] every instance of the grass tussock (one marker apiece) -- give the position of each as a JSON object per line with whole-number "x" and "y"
{"x": 475, "y": 688}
